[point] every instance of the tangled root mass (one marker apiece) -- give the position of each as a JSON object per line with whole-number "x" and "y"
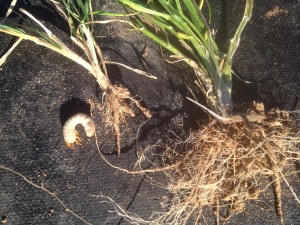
{"x": 223, "y": 166}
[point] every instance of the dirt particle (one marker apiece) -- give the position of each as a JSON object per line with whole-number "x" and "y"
{"x": 51, "y": 211}
{"x": 3, "y": 219}
{"x": 275, "y": 12}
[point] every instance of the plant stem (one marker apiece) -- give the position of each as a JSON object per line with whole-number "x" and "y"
{"x": 62, "y": 49}
{"x": 234, "y": 43}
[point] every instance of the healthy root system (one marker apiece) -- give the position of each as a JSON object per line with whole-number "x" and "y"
{"x": 223, "y": 166}
{"x": 227, "y": 165}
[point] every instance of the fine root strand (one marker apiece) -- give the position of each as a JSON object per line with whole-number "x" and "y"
{"x": 41, "y": 187}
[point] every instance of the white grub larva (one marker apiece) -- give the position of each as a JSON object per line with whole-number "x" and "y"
{"x": 71, "y": 135}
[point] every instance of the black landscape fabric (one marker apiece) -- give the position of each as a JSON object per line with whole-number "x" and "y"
{"x": 40, "y": 89}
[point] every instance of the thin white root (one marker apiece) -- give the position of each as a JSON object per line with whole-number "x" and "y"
{"x": 230, "y": 119}
{"x": 122, "y": 212}
{"x": 52, "y": 194}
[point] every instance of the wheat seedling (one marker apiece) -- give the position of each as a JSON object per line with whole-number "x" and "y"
{"x": 79, "y": 15}
{"x": 226, "y": 161}
{"x": 181, "y": 27}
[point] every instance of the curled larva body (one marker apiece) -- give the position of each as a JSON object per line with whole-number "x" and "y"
{"x": 71, "y": 136}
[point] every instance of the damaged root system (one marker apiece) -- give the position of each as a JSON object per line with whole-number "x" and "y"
{"x": 118, "y": 105}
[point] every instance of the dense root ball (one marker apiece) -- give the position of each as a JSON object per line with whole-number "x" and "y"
{"x": 223, "y": 166}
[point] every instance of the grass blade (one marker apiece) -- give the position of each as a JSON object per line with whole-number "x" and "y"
{"x": 234, "y": 43}
{"x": 9, "y": 51}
